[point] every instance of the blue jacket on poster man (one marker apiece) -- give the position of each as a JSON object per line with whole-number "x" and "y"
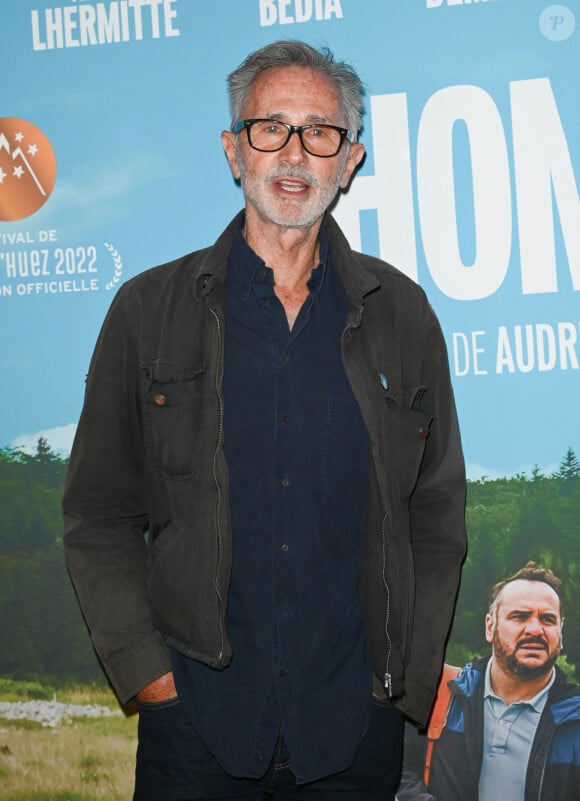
{"x": 553, "y": 772}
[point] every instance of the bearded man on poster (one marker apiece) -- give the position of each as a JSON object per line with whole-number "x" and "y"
{"x": 265, "y": 500}
{"x": 512, "y": 729}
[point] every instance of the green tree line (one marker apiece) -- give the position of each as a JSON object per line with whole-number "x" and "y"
{"x": 511, "y": 521}
{"x": 42, "y": 634}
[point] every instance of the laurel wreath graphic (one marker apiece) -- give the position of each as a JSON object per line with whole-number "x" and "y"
{"x": 118, "y": 262}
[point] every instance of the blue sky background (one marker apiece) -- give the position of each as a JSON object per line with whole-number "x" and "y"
{"x": 135, "y": 128}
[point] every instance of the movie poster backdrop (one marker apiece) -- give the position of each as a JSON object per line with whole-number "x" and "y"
{"x": 111, "y": 162}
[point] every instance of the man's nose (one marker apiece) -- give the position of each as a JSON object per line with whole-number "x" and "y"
{"x": 534, "y": 626}
{"x": 293, "y": 151}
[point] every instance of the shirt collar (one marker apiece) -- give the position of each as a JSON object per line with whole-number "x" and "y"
{"x": 537, "y": 702}
{"x": 248, "y": 268}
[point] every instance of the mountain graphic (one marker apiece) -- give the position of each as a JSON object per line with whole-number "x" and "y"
{"x": 14, "y": 165}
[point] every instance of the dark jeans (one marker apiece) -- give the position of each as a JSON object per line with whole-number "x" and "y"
{"x": 174, "y": 765}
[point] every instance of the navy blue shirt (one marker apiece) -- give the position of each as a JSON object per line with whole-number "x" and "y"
{"x": 297, "y": 455}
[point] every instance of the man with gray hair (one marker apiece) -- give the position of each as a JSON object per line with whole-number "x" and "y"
{"x": 264, "y": 505}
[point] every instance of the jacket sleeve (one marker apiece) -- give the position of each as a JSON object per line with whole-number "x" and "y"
{"x": 437, "y": 525}
{"x": 106, "y": 509}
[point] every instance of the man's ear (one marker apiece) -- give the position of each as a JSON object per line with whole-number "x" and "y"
{"x": 489, "y": 627}
{"x": 230, "y": 146}
{"x": 354, "y": 158}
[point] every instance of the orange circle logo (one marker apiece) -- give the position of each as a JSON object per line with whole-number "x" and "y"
{"x": 27, "y": 169}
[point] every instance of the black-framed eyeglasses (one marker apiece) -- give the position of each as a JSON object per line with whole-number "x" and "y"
{"x": 317, "y": 139}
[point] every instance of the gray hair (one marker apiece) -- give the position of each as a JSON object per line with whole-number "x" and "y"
{"x": 288, "y": 53}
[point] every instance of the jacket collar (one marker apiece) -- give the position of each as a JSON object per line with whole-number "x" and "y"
{"x": 212, "y": 268}
{"x": 471, "y": 677}
{"x": 356, "y": 279}
{"x": 563, "y": 696}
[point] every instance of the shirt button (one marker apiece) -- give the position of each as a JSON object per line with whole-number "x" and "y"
{"x": 282, "y": 673}
{"x": 284, "y": 547}
{"x": 285, "y": 418}
{"x": 285, "y": 482}
{"x": 160, "y": 400}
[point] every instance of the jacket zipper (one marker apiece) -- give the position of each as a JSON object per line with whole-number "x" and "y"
{"x": 543, "y": 773}
{"x": 218, "y": 489}
{"x": 387, "y": 679}
{"x": 542, "y": 776}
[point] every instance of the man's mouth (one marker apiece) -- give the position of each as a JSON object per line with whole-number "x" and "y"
{"x": 291, "y": 185}
{"x": 532, "y": 645}
{"x": 292, "y": 181}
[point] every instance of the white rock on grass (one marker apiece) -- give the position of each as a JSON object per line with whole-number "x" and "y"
{"x": 52, "y": 713}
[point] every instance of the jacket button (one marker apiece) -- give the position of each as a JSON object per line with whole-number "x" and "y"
{"x": 423, "y": 433}
{"x": 160, "y": 400}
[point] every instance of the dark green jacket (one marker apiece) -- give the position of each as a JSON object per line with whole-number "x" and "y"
{"x": 148, "y": 457}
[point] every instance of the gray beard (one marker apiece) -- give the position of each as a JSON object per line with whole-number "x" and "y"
{"x": 309, "y": 215}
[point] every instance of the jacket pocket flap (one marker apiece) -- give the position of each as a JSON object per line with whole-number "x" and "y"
{"x": 165, "y": 372}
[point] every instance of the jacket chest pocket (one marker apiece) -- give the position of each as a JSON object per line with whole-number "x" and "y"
{"x": 409, "y": 426}
{"x": 173, "y": 405}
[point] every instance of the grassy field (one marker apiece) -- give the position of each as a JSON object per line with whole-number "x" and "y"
{"x": 86, "y": 759}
